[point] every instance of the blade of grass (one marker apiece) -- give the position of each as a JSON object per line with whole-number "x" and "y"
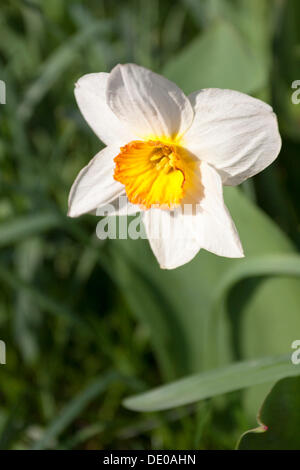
{"x": 13, "y": 426}
{"x": 24, "y": 226}
{"x": 56, "y": 65}
{"x": 42, "y": 300}
{"x": 74, "y": 408}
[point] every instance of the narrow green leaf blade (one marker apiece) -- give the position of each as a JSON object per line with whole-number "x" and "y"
{"x": 25, "y": 226}
{"x": 214, "y": 382}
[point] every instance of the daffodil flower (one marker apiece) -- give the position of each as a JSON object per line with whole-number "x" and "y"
{"x": 166, "y": 151}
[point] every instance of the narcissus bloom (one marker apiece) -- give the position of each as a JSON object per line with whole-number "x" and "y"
{"x": 167, "y": 152}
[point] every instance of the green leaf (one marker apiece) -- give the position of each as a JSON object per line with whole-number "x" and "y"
{"x": 278, "y": 420}
{"x": 28, "y": 225}
{"x": 153, "y": 309}
{"x": 73, "y": 409}
{"x": 177, "y": 305}
{"x": 287, "y": 71}
{"x": 264, "y": 265}
{"x": 56, "y": 65}
{"x": 212, "y": 383}
{"x": 27, "y": 316}
{"x": 211, "y": 61}
{"x": 13, "y": 424}
{"x": 41, "y": 299}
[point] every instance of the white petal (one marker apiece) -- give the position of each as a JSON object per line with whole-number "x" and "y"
{"x": 148, "y": 103}
{"x": 90, "y": 93}
{"x": 95, "y": 185}
{"x": 122, "y": 206}
{"x": 213, "y": 225}
{"x": 234, "y": 132}
{"x": 171, "y": 237}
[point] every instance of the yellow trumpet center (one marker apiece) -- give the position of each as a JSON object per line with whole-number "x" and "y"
{"x": 154, "y": 173}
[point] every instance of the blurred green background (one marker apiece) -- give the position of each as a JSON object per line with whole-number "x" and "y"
{"x": 87, "y": 323}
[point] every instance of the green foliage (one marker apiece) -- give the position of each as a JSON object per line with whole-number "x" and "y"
{"x": 227, "y": 47}
{"x": 278, "y": 420}
{"x": 214, "y": 382}
{"x": 88, "y": 323}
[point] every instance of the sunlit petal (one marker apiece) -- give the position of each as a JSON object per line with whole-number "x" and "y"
{"x": 95, "y": 185}
{"x": 149, "y": 104}
{"x": 234, "y": 132}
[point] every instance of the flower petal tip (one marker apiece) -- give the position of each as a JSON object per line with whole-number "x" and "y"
{"x": 73, "y": 210}
{"x": 240, "y": 253}
{"x": 165, "y": 268}
{"x": 71, "y": 213}
{"x": 236, "y": 252}
{"x": 170, "y": 267}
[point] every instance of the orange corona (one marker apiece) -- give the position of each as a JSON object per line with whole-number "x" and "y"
{"x": 154, "y": 173}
